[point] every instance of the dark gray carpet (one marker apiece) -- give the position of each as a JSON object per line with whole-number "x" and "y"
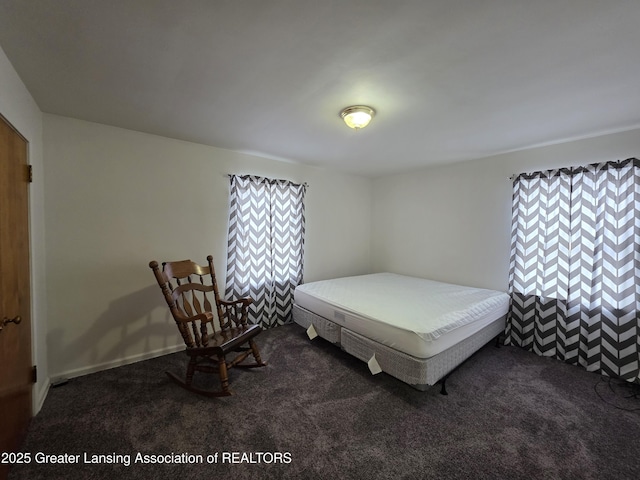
{"x": 509, "y": 415}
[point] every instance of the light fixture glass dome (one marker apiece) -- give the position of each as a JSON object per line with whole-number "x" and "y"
{"x": 357, "y": 116}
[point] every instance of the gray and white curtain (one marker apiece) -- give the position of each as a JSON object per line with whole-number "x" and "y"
{"x": 574, "y": 274}
{"x": 265, "y": 246}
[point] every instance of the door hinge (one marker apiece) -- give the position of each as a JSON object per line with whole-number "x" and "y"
{"x": 30, "y": 173}
{"x": 34, "y": 374}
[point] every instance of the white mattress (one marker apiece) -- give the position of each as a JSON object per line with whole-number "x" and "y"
{"x": 416, "y": 316}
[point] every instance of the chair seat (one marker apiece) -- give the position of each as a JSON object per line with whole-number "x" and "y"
{"x": 226, "y": 340}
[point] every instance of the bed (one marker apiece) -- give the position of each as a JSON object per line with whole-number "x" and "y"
{"x": 414, "y": 329}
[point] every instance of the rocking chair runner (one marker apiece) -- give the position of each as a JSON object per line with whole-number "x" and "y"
{"x": 193, "y": 314}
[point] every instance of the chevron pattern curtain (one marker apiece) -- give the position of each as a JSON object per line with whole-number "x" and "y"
{"x": 574, "y": 274}
{"x": 265, "y": 246}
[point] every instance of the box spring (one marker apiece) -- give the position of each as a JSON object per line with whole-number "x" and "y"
{"x": 418, "y": 372}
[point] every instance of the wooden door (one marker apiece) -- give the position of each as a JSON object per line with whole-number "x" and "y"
{"x": 16, "y": 373}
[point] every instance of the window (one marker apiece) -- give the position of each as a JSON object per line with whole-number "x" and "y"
{"x": 575, "y": 266}
{"x": 265, "y": 245}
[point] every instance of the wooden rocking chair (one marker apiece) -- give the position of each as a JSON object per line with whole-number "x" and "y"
{"x": 208, "y": 339}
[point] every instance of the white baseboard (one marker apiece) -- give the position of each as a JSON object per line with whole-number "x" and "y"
{"x": 40, "y": 396}
{"x": 78, "y": 372}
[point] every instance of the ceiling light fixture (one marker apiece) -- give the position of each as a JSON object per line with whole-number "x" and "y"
{"x": 357, "y": 116}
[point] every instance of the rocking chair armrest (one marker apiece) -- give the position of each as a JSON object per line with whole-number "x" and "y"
{"x": 235, "y": 311}
{"x": 230, "y": 303}
{"x": 203, "y": 317}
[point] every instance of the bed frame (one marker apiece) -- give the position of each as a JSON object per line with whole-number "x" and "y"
{"x": 420, "y": 373}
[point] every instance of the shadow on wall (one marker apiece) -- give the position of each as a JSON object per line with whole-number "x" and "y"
{"x": 128, "y": 322}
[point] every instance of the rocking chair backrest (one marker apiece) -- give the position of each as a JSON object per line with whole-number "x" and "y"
{"x": 187, "y": 289}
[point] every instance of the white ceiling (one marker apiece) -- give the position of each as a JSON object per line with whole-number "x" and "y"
{"x": 450, "y": 79}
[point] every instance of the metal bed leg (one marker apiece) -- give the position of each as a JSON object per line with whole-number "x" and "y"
{"x": 443, "y": 381}
{"x": 443, "y": 388}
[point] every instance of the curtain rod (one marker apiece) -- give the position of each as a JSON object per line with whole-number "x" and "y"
{"x": 305, "y": 184}
{"x": 634, "y": 161}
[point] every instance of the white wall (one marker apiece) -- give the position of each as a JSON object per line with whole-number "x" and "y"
{"x": 117, "y": 199}
{"x": 114, "y": 201}
{"x": 452, "y": 223}
{"x": 19, "y": 108}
